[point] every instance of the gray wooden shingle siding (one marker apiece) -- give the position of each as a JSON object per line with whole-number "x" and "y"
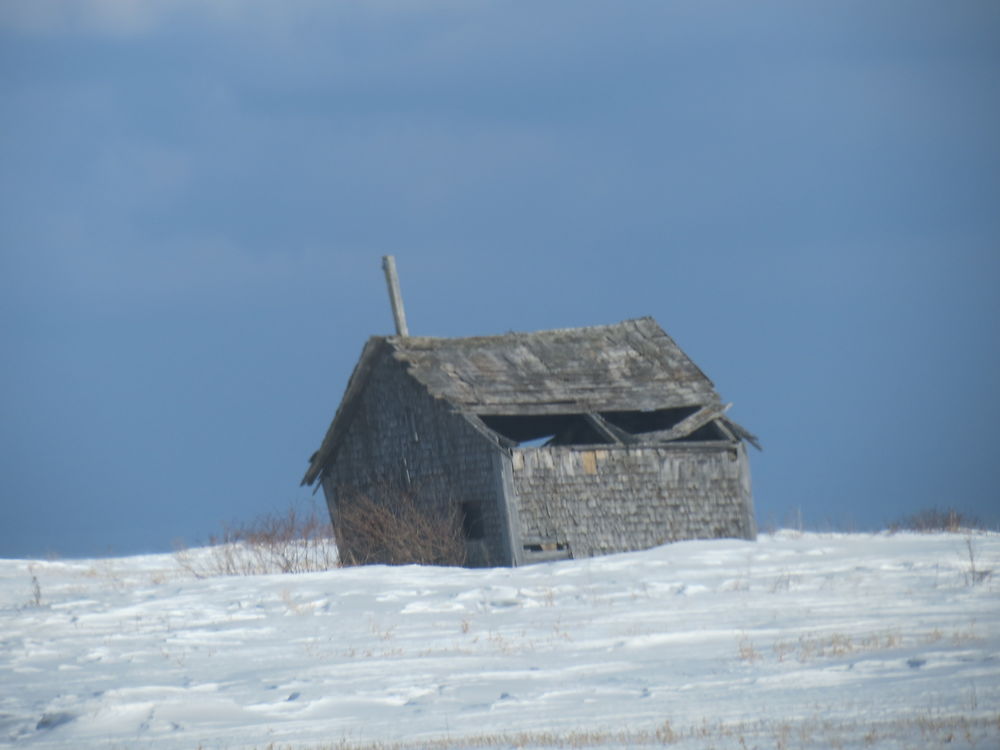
{"x": 566, "y": 443}
{"x": 591, "y": 501}
{"x": 401, "y": 439}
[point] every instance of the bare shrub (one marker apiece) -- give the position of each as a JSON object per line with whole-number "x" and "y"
{"x": 930, "y": 730}
{"x": 974, "y": 573}
{"x": 936, "y": 519}
{"x": 747, "y": 651}
{"x": 291, "y": 542}
{"x": 36, "y": 588}
{"x": 394, "y": 530}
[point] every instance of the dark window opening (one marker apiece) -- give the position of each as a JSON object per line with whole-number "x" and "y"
{"x": 638, "y": 422}
{"x": 473, "y": 524}
{"x": 538, "y": 430}
{"x": 536, "y": 442}
{"x": 546, "y": 547}
{"x": 708, "y": 431}
{"x": 544, "y": 429}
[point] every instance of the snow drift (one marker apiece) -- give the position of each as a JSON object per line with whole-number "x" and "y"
{"x": 798, "y": 640}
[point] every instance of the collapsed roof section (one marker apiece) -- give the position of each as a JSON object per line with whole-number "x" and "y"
{"x": 684, "y": 424}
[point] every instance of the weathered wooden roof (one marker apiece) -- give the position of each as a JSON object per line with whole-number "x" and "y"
{"x": 628, "y": 366}
{"x": 625, "y": 366}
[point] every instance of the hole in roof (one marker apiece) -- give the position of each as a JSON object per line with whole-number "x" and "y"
{"x": 536, "y": 430}
{"x": 540, "y": 430}
{"x": 638, "y": 422}
{"x": 708, "y": 431}
{"x": 536, "y": 442}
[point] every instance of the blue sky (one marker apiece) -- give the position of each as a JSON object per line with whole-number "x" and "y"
{"x": 196, "y": 197}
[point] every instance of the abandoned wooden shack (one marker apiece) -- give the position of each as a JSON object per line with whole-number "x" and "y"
{"x": 547, "y": 445}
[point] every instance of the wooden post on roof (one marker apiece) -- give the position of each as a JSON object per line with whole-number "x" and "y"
{"x": 398, "y": 314}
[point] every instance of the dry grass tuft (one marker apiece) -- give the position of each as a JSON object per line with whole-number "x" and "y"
{"x": 293, "y": 542}
{"x": 747, "y": 651}
{"x": 916, "y": 731}
{"x": 933, "y": 520}
{"x": 392, "y": 530}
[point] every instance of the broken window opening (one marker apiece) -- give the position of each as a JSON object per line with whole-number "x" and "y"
{"x": 542, "y": 430}
{"x": 473, "y": 523}
{"x": 638, "y": 422}
{"x": 537, "y": 442}
{"x": 537, "y": 430}
{"x": 706, "y": 432}
{"x": 546, "y": 547}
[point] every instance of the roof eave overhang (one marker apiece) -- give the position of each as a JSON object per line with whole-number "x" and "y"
{"x": 346, "y": 411}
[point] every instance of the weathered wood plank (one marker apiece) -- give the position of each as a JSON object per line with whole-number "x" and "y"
{"x": 609, "y": 431}
{"x": 742, "y": 432}
{"x": 689, "y": 424}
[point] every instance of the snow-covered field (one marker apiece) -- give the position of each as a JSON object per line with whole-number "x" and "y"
{"x": 797, "y": 640}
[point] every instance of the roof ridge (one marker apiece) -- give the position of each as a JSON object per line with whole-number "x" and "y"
{"x": 403, "y": 340}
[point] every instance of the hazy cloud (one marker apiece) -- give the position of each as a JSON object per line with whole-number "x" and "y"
{"x": 805, "y": 197}
{"x": 115, "y": 17}
{"x": 137, "y": 17}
